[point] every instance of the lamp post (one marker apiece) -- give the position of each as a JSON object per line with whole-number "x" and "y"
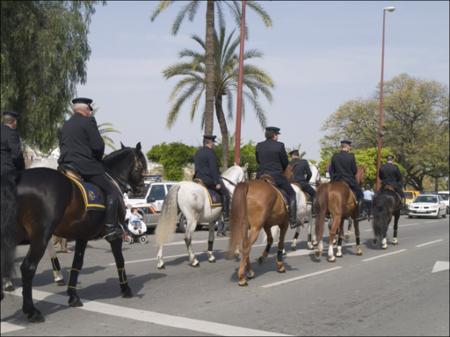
{"x": 381, "y": 112}
{"x": 237, "y": 134}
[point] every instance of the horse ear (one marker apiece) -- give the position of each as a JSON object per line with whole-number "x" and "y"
{"x": 121, "y": 145}
{"x": 138, "y": 146}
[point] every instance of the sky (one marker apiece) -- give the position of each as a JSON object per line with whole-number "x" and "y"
{"x": 319, "y": 54}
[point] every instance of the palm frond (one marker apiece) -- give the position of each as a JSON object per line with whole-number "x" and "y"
{"x": 173, "y": 114}
{"x": 161, "y": 6}
{"x": 260, "y": 113}
{"x": 180, "y": 85}
{"x": 182, "y": 15}
{"x": 261, "y": 12}
{"x": 195, "y": 102}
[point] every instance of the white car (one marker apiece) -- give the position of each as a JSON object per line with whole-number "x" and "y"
{"x": 445, "y": 196}
{"x": 427, "y": 205}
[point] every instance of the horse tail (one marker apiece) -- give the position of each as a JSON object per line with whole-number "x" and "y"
{"x": 380, "y": 216}
{"x": 8, "y": 224}
{"x": 169, "y": 217}
{"x": 321, "y": 206}
{"x": 238, "y": 217}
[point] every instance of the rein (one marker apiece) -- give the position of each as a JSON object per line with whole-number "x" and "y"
{"x": 228, "y": 181}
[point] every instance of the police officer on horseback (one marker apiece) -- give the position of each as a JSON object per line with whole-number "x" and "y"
{"x": 343, "y": 168}
{"x": 272, "y": 159}
{"x": 82, "y": 149}
{"x": 207, "y": 170}
{"x": 390, "y": 175}
{"x": 302, "y": 173}
{"x": 12, "y": 161}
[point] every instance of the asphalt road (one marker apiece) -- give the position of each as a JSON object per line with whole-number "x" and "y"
{"x": 383, "y": 292}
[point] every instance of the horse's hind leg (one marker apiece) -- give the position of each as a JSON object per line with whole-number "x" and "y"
{"x": 337, "y": 220}
{"x": 245, "y": 261}
{"x": 320, "y": 222}
{"x": 77, "y": 264}
{"x": 191, "y": 225}
{"x": 359, "y": 251}
{"x": 116, "y": 247}
{"x": 396, "y": 218}
{"x": 28, "y": 269}
{"x": 341, "y": 236}
{"x": 296, "y": 236}
{"x": 280, "y": 264}
{"x": 57, "y": 276}
{"x": 211, "y": 257}
{"x": 269, "y": 244}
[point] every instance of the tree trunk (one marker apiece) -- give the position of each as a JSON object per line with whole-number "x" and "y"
{"x": 436, "y": 184}
{"x": 224, "y": 131}
{"x": 209, "y": 69}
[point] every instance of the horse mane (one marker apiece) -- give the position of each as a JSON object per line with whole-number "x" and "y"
{"x": 117, "y": 156}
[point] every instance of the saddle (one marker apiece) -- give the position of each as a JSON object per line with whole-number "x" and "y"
{"x": 307, "y": 196}
{"x": 268, "y": 179}
{"x": 93, "y": 197}
{"x": 214, "y": 197}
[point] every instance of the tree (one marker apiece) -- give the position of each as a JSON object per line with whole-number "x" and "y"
{"x": 193, "y": 83}
{"x": 105, "y": 129}
{"x": 173, "y": 157}
{"x": 44, "y": 49}
{"x": 415, "y": 129}
{"x": 190, "y": 9}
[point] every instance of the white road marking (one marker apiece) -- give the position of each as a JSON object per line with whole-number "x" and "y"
{"x": 270, "y": 285}
{"x": 384, "y": 255}
{"x": 440, "y": 266}
{"x": 154, "y": 259}
{"x": 9, "y": 327}
{"x": 182, "y": 243}
{"x": 152, "y": 317}
{"x": 429, "y": 243}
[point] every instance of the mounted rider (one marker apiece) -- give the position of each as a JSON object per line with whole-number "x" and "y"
{"x": 272, "y": 159}
{"x": 302, "y": 174}
{"x": 390, "y": 175}
{"x": 207, "y": 170}
{"x": 12, "y": 161}
{"x": 82, "y": 149}
{"x": 343, "y": 168}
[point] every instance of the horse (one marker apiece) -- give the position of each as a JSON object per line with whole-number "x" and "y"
{"x": 191, "y": 201}
{"x": 49, "y": 202}
{"x": 256, "y": 204}
{"x": 337, "y": 198}
{"x": 387, "y": 203}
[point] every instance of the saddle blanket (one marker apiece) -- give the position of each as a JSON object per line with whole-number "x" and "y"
{"x": 215, "y": 198}
{"x": 93, "y": 197}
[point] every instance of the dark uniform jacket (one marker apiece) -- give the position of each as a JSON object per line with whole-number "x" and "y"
{"x": 343, "y": 167}
{"x": 271, "y": 157}
{"x": 11, "y": 151}
{"x": 390, "y": 174}
{"x": 301, "y": 171}
{"x": 81, "y": 145}
{"x": 206, "y": 167}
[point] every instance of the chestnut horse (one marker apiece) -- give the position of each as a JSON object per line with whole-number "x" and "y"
{"x": 337, "y": 198}
{"x": 256, "y": 204}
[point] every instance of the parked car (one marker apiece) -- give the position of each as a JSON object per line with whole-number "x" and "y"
{"x": 427, "y": 205}
{"x": 445, "y": 196}
{"x": 151, "y": 201}
{"x": 410, "y": 195}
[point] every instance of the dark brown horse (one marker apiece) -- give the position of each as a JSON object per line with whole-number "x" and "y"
{"x": 337, "y": 198}
{"x": 48, "y": 202}
{"x": 256, "y": 204}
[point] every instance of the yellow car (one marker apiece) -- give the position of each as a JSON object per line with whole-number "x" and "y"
{"x": 410, "y": 195}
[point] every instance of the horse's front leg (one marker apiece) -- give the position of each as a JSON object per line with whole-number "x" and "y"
{"x": 341, "y": 236}
{"x": 56, "y": 267}
{"x": 296, "y": 236}
{"x": 280, "y": 263}
{"x": 77, "y": 264}
{"x": 211, "y": 257}
{"x": 116, "y": 247}
{"x": 396, "y": 218}
{"x": 28, "y": 269}
{"x": 337, "y": 221}
{"x": 159, "y": 257}
{"x": 359, "y": 251}
{"x": 269, "y": 237}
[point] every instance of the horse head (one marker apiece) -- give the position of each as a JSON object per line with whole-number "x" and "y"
{"x": 360, "y": 173}
{"x": 234, "y": 175}
{"x": 128, "y": 166}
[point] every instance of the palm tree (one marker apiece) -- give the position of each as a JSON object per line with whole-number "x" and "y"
{"x": 193, "y": 83}
{"x": 104, "y": 129}
{"x": 190, "y": 9}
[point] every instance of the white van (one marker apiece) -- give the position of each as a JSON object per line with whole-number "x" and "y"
{"x": 445, "y": 196}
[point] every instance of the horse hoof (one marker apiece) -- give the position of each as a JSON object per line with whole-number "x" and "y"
{"x": 261, "y": 259}
{"x": 293, "y": 248}
{"x": 384, "y": 246}
{"x": 74, "y": 301}
{"x": 310, "y": 246}
{"x": 212, "y": 259}
{"x": 251, "y": 275}
{"x": 161, "y": 265}
{"x": 395, "y": 241}
{"x": 243, "y": 283}
{"x": 60, "y": 282}
{"x": 339, "y": 255}
{"x": 282, "y": 270}
{"x": 9, "y": 287}
{"x": 331, "y": 259}
{"x": 317, "y": 254}
{"x": 195, "y": 264}
{"x": 359, "y": 251}
{"x": 36, "y": 317}
{"x": 127, "y": 293}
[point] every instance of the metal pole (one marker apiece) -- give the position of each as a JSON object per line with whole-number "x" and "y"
{"x": 381, "y": 112}
{"x": 237, "y": 144}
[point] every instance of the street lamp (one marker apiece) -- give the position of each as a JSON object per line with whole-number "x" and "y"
{"x": 381, "y": 112}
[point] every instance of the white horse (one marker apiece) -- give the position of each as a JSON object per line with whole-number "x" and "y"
{"x": 304, "y": 211}
{"x": 192, "y": 200}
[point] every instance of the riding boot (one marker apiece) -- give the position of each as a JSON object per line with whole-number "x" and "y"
{"x": 293, "y": 214}
{"x": 226, "y": 209}
{"x": 313, "y": 209}
{"x": 113, "y": 230}
{"x": 362, "y": 215}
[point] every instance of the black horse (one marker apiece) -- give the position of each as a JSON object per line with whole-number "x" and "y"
{"x": 50, "y": 203}
{"x": 386, "y": 204}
